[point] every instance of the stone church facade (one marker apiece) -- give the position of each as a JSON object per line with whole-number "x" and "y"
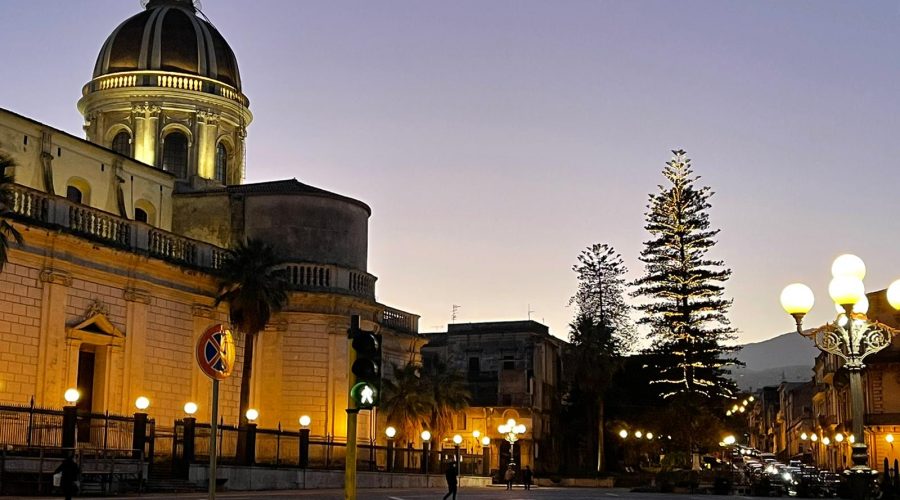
{"x": 124, "y": 232}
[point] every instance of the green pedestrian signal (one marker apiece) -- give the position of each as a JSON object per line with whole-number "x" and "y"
{"x": 365, "y": 369}
{"x": 364, "y": 395}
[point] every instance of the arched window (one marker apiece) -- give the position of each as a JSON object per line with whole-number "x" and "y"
{"x": 122, "y": 143}
{"x": 140, "y": 215}
{"x": 145, "y": 212}
{"x": 175, "y": 154}
{"x": 74, "y": 194}
{"x": 221, "y": 162}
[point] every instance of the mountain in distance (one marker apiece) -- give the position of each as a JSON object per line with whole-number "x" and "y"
{"x": 787, "y": 357}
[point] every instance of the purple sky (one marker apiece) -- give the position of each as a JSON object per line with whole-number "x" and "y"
{"x": 495, "y": 140}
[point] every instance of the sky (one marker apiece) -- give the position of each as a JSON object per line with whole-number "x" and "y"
{"x": 496, "y": 140}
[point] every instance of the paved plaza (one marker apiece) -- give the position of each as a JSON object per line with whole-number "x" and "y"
{"x": 499, "y": 493}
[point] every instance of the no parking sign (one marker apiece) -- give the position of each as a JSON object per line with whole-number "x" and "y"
{"x": 215, "y": 352}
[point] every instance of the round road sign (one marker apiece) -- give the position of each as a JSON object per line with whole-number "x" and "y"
{"x": 215, "y": 352}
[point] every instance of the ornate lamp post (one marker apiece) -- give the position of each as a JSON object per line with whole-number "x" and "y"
{"x": 510, "y": 431}
{"x": 851, "y": 337}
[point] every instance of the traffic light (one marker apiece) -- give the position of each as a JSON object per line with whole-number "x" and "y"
{"x": 365, "y": 370}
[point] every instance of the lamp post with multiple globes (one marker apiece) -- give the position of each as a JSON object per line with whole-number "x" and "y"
{"x": 510, "y": 431}
{"x": 852, "y": 336}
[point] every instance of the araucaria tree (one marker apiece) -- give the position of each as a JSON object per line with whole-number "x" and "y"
{"x": 682, "y": 289}
{"x": 600, "y": 334}
{"x": 601, "y": 294}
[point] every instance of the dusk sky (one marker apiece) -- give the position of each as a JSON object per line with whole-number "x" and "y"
{"x": 494, "y": 140}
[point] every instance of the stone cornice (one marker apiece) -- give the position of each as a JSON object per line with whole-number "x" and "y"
{"x": 56, "y": 277}
{"x": 137, "y": 295}
{"x": 202, "y": 311}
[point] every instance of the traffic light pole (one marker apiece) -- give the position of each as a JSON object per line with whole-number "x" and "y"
{"x": 350, "y": 465}
{"x": 352, "y": 413}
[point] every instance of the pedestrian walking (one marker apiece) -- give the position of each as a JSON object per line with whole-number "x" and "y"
{"x": 69, "y": 471}
{"x": 509, "y": 476}
{"x": 526, "y": 477}
{"x": 452, "y": 474}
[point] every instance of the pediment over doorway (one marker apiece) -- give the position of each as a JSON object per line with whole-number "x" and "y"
{"x": 97, "y": 329}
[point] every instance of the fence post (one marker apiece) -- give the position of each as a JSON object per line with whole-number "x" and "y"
{"x": 304, "y": 448}
{"x": 486, "y": 460}
{"x": 390, "y": 455}
{"x": 139, "y": 437}
{"x": 250, "y": 452}
{"x": 70, "y": 423}
{"x": 372, "y": 466}
{"x": 278, "y": 446}
{"x": 425, "y": 458}
{"x": 187, "y": 444}
{"x": 30, "y": 425}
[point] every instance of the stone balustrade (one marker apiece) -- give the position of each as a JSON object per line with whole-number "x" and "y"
{"x": 164, "y": 80}
{"x": 42, "y": 209}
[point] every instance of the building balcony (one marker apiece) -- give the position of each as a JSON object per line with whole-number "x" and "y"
{"x": 37, "y": 208}
{"x": 165, "y": 80}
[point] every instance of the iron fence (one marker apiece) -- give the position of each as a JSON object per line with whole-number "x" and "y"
{"x": 282, "y": 448}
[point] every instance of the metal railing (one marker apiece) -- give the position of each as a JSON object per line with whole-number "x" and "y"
{"x": 281, "y": 448}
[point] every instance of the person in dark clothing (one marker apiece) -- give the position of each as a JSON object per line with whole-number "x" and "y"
{"x": 509, "y": 476}
{"x": 526, "y": 477}
{"x": 70, "y": 471}
{"x": 451, "y": 474}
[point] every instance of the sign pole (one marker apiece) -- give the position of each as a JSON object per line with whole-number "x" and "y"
{"x": 213, "y": 432}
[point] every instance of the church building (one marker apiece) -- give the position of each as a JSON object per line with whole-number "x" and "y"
{"x": 124, "y": 232}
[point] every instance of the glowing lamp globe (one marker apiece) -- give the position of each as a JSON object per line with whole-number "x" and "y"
{"x": 511, "y": 423}
{"x": 623, "y": 434}
{"x": 650, "y": 436}
{"x": 638, "y": 434}
{"x": 846, "y": 290}
{"x": 190, "y": 408}
{"x": 485, "y": 441}
{"x": 390, "y": 432}
{"x": 305, "y": 421}
{"x": 71, "y": 396}
{"x": 476, "y": 434}
{"x": 142, "y": 403}
{"x": 861, "y": 307}
{"x": 520, "y": 429}
{"x": 814, "y": 437}
{"x": 826, "y": 441}
{"x": 848, "y": 265}
{"x": 839, "y": 438}
{"x": 852, "y": 439}
{"x": 797, "y": 298}
{"x": 457, "y": 439}
{"x": 252, "y": 414}
{"x": 893, "y": 294}
{"x": 729, "y": 440}
{"x": 426, "y": 436}
{"x": 804, "y": 436}
{"x": 503, "y": 429}
{"x": 889, "y": 438}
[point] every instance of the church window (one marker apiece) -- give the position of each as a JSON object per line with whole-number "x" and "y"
{"x": 221, "y": 162}
{"x": 122, "y": 143}
{"x": 175, "y": 154}
{"x": 74, "y": 194}
{"x": 140, "y": 215}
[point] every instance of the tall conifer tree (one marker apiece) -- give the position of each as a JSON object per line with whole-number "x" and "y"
{"x": 685, "y": 306}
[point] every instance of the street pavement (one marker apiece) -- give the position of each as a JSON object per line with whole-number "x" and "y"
{"x": 485, "y": 493}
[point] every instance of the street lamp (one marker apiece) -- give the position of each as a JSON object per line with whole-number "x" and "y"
{"x": 510, "y": 431}
{"x": 851, "y": 337}
{"x": 457, "y": 440}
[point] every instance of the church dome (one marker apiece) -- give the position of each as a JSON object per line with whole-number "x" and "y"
{"x": 169, "y": 36}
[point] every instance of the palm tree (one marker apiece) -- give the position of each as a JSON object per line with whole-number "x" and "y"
{"x": 7, "y": 230}
{"x": 253, "y": 290}
{"x": 406, "y": 403}
{"x": 448, "y": 393}
{"x": 426, "y": 396}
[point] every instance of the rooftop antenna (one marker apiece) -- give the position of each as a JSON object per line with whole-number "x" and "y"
{"x": 453, "y": 313}
{"x": 530, "y": 310}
